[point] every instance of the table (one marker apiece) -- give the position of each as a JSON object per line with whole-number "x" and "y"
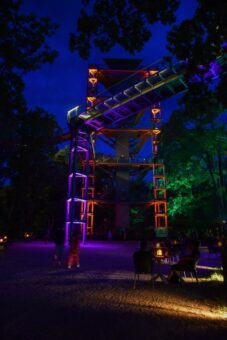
{"x": 160, "y": 253}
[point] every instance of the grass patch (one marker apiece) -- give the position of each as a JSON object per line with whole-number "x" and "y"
{"x": 217, "y": 276}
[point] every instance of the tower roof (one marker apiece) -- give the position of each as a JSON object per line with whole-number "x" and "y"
{"x": 119, "y": 70}
{"x": 122, "y": 63}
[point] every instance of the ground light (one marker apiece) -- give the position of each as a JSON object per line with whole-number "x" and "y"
{"x": 175, "y": 300}
{"x": 176, "y": 305}
{"x": 27, "y": 235}
{"x": 185, "y": 308}
{"x": 2, "y": 239}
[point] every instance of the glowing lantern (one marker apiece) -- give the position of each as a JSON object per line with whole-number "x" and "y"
{"x": 156, "y": 131}
{"x": 159, "y": 252}
{"x": 91, "y": 100}
{"x": 92, "y": 71}
{"x": 151, "y": 72}
{"x": 93, "y": 81}
{"x": 155, "y": 111}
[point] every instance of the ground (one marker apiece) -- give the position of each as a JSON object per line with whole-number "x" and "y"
{"x": 97, "y": 301}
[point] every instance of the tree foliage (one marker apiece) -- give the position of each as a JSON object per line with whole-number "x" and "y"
{"x": 23, "y": 48}
{"x": 23, "y": 45}
{"x": 201, "y": 41}
{"x": 33, "y": 174}
{"x": 28, "y": 169}
{"x": 202, "y": 38}
{"x": 195, "y": 156}
{"x": 105, "y": 23}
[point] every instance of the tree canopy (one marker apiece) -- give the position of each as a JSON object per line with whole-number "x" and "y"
{"x": 23, "y": 48}
{"x": 195, "y": 156}
{"x": 23, "y": 39}
{"x": 202, "y": 38}
{"x": 30, "y": 173}
{"x": 105, "y": 23}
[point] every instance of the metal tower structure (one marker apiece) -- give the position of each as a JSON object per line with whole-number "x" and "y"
{"x": 127, "y": 92}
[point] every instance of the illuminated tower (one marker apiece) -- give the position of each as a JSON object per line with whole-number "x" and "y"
{"x": 114, "y": 96}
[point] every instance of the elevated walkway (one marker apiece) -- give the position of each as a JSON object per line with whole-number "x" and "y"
{"x": 155, "y": 88}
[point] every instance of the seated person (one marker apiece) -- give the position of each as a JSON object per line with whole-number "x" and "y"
{"x": 143, "y": 259}
{"x": 186, "y": 262}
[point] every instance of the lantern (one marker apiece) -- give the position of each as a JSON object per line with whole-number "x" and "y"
{"x": 159, "y": 252}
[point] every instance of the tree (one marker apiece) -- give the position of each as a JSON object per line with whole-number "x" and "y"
{"x": 202, "y": 38}
{"x": 23, "y": 48}
{"x": 26, "y": 144}
{"x": 35, "y": 176}
{"x": 194, "y": 147}
{"x": 23, "y": 39}
{"x": 105, "y": 23}
{"x": 194, "y": 150}
{"x": 201, "y": 41}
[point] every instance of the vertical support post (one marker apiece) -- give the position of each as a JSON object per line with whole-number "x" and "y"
{"x": 71, "y": 187}
{"x": 159, "y": 179}
{"x": 122, "y": 207}
{"x": 84, "y": 230}
{"x": 91, "y": 99}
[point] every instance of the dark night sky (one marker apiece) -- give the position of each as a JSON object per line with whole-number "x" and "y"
{"x": 61, "y": 86}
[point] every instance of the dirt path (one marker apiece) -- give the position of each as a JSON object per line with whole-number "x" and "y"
{"x": 38, "y": 301}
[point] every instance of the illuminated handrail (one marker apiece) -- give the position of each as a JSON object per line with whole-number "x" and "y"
{"x": 151, "y": 83}
{"x": 123, "y": 160}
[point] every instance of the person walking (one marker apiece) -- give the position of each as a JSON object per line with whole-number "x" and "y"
{"x": 74, "y": 250}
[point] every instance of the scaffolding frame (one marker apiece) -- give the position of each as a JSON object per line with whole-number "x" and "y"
{"x": 107, "y": 110}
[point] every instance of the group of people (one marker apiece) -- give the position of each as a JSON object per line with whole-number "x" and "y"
{"x": 74, "y": 248}
{"x": 186, "y": 262}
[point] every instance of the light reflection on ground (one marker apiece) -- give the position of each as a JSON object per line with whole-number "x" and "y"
{"x": 103, "y": 287}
